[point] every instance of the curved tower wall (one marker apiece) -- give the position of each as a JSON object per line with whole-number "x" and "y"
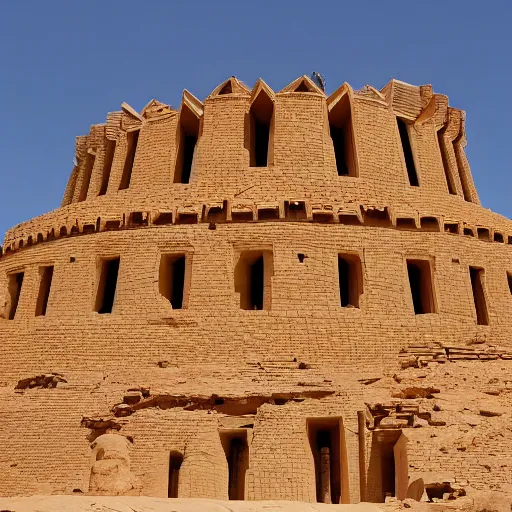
{"x": 241, "y": 369}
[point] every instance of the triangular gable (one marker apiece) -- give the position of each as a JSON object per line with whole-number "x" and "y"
{"x": 192, "y": 103}
{"x": 231, "y": 86}
{"x": 156, "y": 108}
{"x": 338, "y": 94}
{"x": 131, "y": 111}
{"x": 260, "y": 86}
{"x": 303, "y": 84}
{"x": 371, "y": 93}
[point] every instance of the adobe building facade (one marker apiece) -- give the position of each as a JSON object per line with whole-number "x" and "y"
{"x": 265, "y": 295}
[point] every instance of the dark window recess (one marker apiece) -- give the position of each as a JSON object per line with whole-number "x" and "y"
{"x": 255, "y": 286}
{"x": 260, "y": 118}
{"x": 446, "y": 162}
{"x": 132, "y": 139}
{"x": 422, "y": 291}
{"x": 498, "y": 237}
{"x": 325, "y": 440}
{"x": 175, "y": 462}
{"x": 107, "y": 286}
{"x": 477, "y": 285}
{"x": 44, "y": 290}
{"x": 342, "y": 135}
{"x": 172, "y": 278}
{"x": 227, "y": 89}
{"x": 108, "y": 159}
{"x": 509, "y": 279}
{"x": 86, "y": 179}
{"x": 407, "y": 151}
{"x": 236, "y": 449}
{"x": 14, "y": 289}
{"x": 252, "y": 280}
{"x": 189, "y": 134}
{"x": 350, "y": 280}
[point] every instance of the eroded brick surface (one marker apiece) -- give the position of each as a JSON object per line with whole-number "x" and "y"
{"x": 431, "y": 389}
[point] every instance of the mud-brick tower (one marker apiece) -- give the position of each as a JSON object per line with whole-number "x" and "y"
{"x": 261, "y": 296}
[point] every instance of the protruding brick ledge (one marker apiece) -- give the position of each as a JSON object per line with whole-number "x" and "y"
{"x": 291, "y": 210}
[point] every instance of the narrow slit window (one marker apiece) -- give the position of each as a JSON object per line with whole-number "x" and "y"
{"x": 327, "y": 445}
{"x": 446, "y": 163}
{"x": 86, "y": 179}
{"x": 342, "y": 135}
{"x": 422, "y": 289}
{"x": 14, "y": 290}
{"x": 477, "y": 285}
{"x": 407, "y": 152}
{"x": 172, "y": 279}
{"x": 107, "y": 285}
{"x": 175, "y": 462}
{"x": 350, "y": 280}
{"x": 188, "y": 136}
{"x": 45, "y": 285}
{"x": 253, "y": 275}
{"x": 132, "y": 139}
{"x": 260, "y": 118}
{"x": 108, "y": 159}
{"x": 509, "y": 279}
{"x": 235, "y": 447}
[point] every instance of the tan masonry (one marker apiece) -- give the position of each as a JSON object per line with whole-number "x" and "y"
{"x": 262, "y": 295}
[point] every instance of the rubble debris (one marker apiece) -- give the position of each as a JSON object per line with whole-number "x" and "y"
{"x": 236, "y": 406}
{"x": 48, "y": 380}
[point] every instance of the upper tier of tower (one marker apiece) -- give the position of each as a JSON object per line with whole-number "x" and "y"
{"x": 241, "y": 151}
{"x": 297, "y": 139}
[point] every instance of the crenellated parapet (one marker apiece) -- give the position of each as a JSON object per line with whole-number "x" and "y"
{"x": 212, "y": 145}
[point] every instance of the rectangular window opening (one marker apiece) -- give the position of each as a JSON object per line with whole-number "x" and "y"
{"x": 429, "y": 224}
{"x": 498, "y": 237}
{"x": 350, "y": 279}
{"x": 253, "y": 274}
{"x": 405, "y": 223}
{"x": 15, "y": 282}
{"x": 171, "y": 281}
{"x": 446, "y": 163}
{"x": 188, "y": 137}
{"x": 407, "y": 152}
{"x": 477, "y": 276}
{"x": 483, "y": 234}
{"x": 107, "y": 285}
{"x": 342, "y": 136}
{"x": 348, "y": 219}
{"x": 132, "y": 139}
{"x": 509, "y": 279}
{"x": 376, "y": 217}
{"x": 45, "y": 285}
{"x": 295, "y": 210}
{"x": 421, "y": 285}
{"x": 451, "y": 227}
{"x": 268, "y": 213}
{"x": 163, "y": 218}
{"x": 236, "y": 448}
{"x": 175, "y": 462}
{"x": 326, "y": 441}
{"x": 86, "y": 179}
{"x": 108, "y": 159}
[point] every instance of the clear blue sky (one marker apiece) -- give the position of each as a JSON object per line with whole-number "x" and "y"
{"x": 65, "y": 64}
